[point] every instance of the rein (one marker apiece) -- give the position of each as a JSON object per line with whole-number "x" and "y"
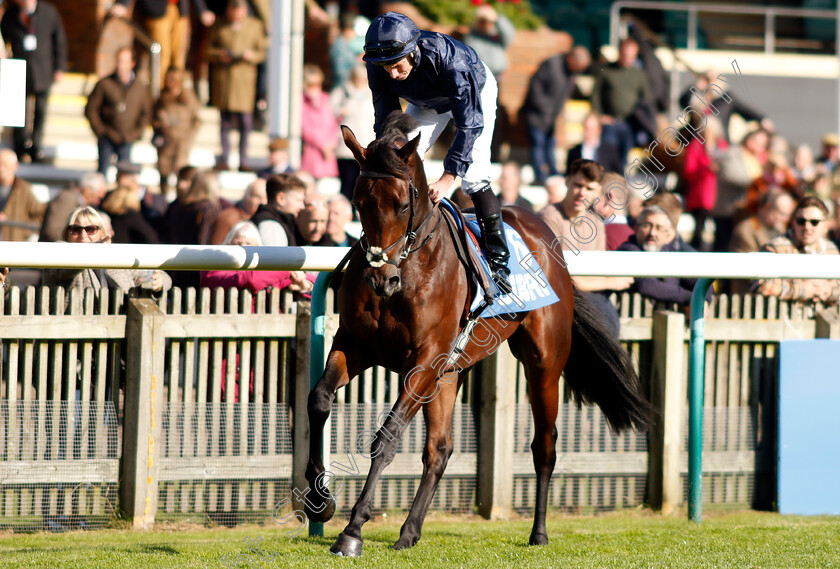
{"x": 377, "y": 256}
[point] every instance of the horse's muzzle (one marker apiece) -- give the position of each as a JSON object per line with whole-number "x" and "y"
{"x": 384, "y": 280}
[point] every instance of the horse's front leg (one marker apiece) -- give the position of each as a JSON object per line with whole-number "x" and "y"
{"x": 383, "y": 448}
{"x": 320, "y": 505}
{"x": 438, "y": 416}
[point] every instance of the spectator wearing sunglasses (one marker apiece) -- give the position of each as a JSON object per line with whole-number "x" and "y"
{"x": 442, "y": 80}
{"x": 85, "y": 225}
{"x": 806, "y": 236}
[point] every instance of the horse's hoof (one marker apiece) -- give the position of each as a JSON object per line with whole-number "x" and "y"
{"x": 322, "y": 512}
{"x": 406, "y": 542}
{"x": 538, "y": 539}
{"x": 346, "y": 546}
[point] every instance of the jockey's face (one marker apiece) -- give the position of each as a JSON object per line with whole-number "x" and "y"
{"x": 654, "y": 231}
{"x": 399, "y": 71}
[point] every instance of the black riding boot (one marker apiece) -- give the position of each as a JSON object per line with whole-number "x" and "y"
{"x": 489, "y": 213}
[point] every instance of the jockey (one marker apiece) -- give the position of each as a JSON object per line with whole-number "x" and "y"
{"x": 442, "y": 79}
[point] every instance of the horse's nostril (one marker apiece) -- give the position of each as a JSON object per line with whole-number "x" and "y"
{"x": 394, "y": 281}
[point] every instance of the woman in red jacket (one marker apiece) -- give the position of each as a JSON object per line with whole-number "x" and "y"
{"x": 246, "y": 234}
{"x": 699, "y": 174}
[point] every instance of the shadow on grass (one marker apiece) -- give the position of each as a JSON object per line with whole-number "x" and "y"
{"x": 156, "y": 549}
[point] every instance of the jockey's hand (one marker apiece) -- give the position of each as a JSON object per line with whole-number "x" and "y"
{"x": 441, "y": 188}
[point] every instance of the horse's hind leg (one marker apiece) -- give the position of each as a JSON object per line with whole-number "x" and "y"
{"x": 543, "y": 364}
{"x": 438, "y": 416}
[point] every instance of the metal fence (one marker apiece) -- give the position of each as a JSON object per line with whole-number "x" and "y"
{"x": 59, "y": 465}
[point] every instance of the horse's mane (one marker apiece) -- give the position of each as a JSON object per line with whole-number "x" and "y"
{"x": 381, "y": 153}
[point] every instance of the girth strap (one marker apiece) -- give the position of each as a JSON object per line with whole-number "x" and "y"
{"x": 468, "y": 255}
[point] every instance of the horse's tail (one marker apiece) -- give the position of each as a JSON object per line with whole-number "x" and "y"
{"x": 599, "y": 370}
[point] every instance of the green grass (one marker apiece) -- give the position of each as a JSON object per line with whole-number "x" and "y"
{"x": 624, "y": 540}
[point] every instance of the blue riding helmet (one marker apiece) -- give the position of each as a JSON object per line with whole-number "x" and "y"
{"x": 390, "y": 37}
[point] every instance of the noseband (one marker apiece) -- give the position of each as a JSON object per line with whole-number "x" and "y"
{"x": 377, "y": 256}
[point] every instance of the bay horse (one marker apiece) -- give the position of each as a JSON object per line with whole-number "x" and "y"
{"x": 404, "y": 312}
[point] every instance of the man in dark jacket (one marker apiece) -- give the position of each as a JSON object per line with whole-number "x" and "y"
{"x": 548, "y": 90}
{"x": 119, "y": 108}
{"x": 442, "y": 80}
{"x": 33, "y": 28}
{"x": 655, "y": 232}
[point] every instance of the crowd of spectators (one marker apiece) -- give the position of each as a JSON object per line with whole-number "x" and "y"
{"x": 744, "y": 192}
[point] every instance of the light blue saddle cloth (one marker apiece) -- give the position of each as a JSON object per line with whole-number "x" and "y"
{"x": 531, "y": 289}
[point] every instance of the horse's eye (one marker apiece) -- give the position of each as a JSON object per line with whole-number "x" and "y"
{"x": 404, "y": 208}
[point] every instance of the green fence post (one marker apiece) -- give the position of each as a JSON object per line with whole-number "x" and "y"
{"x": 316, "y": 349}
{"x": 696, "y": 375}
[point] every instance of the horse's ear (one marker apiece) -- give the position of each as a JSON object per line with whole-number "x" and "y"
{"x": 408, "y": 149}
{"x": 353, "y": 144}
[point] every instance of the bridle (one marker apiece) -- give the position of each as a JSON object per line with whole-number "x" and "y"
{"x": 377, "y": 256}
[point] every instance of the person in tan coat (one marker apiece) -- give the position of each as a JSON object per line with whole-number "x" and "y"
{"x": 235, "y": 47}
{"x": 118, "y": 109}
{"x": 17, "y": 202}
